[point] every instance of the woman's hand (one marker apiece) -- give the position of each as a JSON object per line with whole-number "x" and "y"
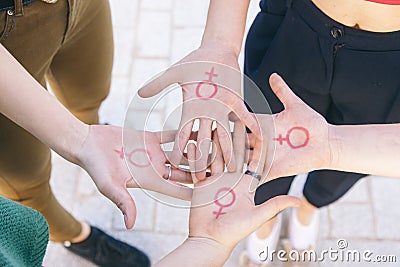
{"x": 104, "y": 156}
{"x": 300, "y": 141}
{"x": 222, "y": 214}
{"x": 230, "y": 214}
{"x": 211, "y": 86}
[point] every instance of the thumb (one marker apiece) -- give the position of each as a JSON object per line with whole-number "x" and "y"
{"x": 283, "y": 91}
{"x": 272, "y": 207}
{"x": 159, "y": 83}
{"x": 123, "y": 200}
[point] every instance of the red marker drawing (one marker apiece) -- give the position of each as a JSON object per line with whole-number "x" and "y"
{"x": 120, "y": 152}
{"x": 222, "y": 206}
{"x": 280, "y": 139}
{"x": 135, "y": 152}
{"x": 211, "y": 75}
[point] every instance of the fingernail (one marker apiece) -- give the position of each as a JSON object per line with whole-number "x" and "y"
{"x": 126, "y": 221}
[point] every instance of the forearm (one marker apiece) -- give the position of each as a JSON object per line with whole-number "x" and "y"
{"x": 24, "y": 101}
{"x": 226, "y": 23}
{"x": 369, "y": 149}
{"x": 196, "y": 252}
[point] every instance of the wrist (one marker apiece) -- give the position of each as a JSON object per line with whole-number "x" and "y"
{"x": 197, "y": 252}
{"x": 215, "y": 251}
{"x": 219, "y": 44}
{"x": 78, "y": 135}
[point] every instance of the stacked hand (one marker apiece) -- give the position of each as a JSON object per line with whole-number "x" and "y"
{"x": 222, "y": 213}
{"x": 300, "y": 140}
{"x": 222, "y": 205}
{"x": 212, "y": 237}
{"x": 211, "y": 93}
{"x": 231, "y": 214}
{"x": 103, "y": 157}
{"x": 223, "y": 210}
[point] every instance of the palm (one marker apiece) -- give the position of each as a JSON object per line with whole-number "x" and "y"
{"x": 240, "y": 216}
{"x": 298, "y": 139}
{"x": 305, "y": 151}
{"x": 104, "y": 157}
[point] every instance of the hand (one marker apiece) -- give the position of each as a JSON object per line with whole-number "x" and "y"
{"x": 203, "y": 99}
{"x": 102, "y": 156}
{"x": 223, "y": 209}
{"x": 299, "y": 143}
{"x": 231, "y": 214}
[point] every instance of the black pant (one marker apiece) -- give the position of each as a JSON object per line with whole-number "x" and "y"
{"x": 350, "y": 76}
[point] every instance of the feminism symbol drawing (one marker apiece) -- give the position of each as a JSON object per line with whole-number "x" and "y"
{"x": 211, "y": 75}
{"x": 280, "y": 139}
{"x": 137, "y": 151}
{"x": 222, "y": 206}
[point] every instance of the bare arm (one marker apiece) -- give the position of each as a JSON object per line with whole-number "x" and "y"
{"x": 225, "y": 24}
{"x": 221, "y": 43}
{"x": 197, "y": 252}
{"x": 95, "y": 148}
{"x": 28, "y": 104}
{"x": 371, "y": 149}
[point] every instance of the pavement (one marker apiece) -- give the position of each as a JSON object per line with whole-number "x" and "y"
{"x": 150, "y": 36}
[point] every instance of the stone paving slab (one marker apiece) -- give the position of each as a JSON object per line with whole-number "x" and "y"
{"x": 348, "y": 215}
{"x": 385, "y": 196}
{"x": 154, "y": 31}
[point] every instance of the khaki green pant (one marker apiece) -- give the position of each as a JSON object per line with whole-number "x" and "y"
{"x": 69, "y": 44}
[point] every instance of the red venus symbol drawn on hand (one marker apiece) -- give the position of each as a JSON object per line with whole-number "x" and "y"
{"x": 222, "y": 206}
{"x": 134, "y": 162}
{"x": 120, "y": 153}
{"x": 211, "y": 75}
{"x": 280, "y": 139}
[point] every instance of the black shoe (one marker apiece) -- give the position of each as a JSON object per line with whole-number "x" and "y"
{"x": 105, "y": 251}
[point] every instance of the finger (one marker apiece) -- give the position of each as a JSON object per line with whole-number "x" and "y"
{"x": 181, "y": 140}
{"x": 250, "y": 140}
{"x": 225, "y": 139}
{"x": 249, "y": 155}
{"x": 170, "y": 135}
{"x": 181, "y": 176}
{"x": 282, "y": 91}
{"x": 124, "y": 201}
{"x": 191, "y": 155}
{"x": 161, "y": 82}
{"x": 239, "y": 145}
{"x": 167, "y": 172}
{"x": 250, "y": 143}
{"x": 257, "y": 162}
{"x": 258, "y": 156}
{"x": 272, "y": 207}
{"x": 166, "y": 136}
{"x": 159, "y": 183}
{"x": 217, "y": 165}
{"x": 249, "y": 119}
{"x": 203, "y": 148}
{"x": 176, "y": 190}
{"x": 184, "y": 160}
{"x": 173, "y": 188}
